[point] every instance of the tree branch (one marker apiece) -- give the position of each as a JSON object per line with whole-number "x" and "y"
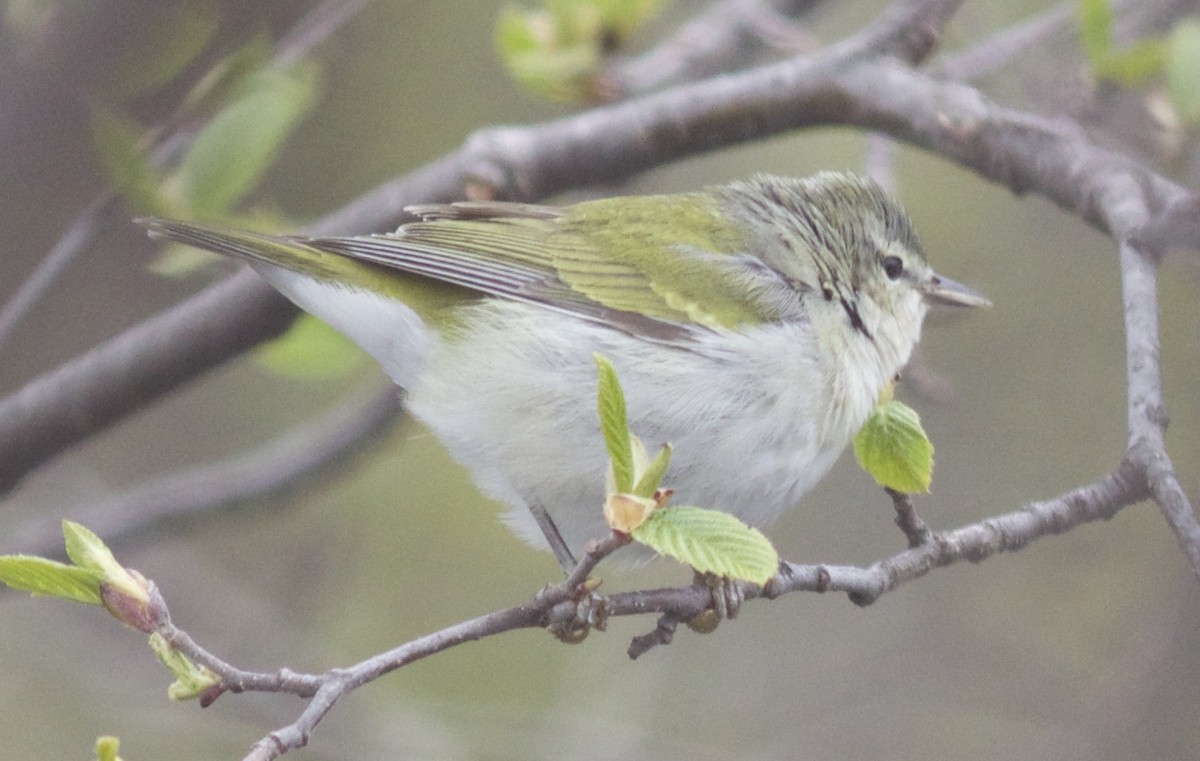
{"x": 158, "y": 505}
{"x": 560, "y": 604}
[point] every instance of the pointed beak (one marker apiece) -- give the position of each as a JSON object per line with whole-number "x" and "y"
{"x": 943, "y": 290}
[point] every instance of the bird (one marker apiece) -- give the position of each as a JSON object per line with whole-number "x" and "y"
{"x": 753, "y": 325}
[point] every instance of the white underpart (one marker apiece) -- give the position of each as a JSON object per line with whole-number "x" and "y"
{"x": 755, "y": 418}
{"x": 515, "y": 401}
{"x": 385, "y": 328}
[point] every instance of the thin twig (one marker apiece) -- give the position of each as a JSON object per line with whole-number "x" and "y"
{"x": 910, "y": 523}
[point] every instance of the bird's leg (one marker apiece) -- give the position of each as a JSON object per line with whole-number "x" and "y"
{"x": 727, "y": 600}
{"x": 591, "y": 612}
{"x": 566, "y": 560}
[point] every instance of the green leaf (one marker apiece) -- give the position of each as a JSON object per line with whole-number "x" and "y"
{"x": 119, "y": 144}
{"x": 191, "y": 680}
{"x": 88, "y": 551}
{"x": 176, "y": 261}
{"x": 711, "y": 542}
{"x": 311, "y": 350}
{"x": 651, "y": 478}
{"x": 233, "y": 152}
{"x": 230, "y": 77}
{"x": 47, "y": 578}
{"x": 1095, "y": 29}
{"x": 531, "y": 48}
{"x": 1183, "y": 70}
{"x": 614, "y": 424}
{"x": 558, "y": 50}
{"x": 893, "y": 448}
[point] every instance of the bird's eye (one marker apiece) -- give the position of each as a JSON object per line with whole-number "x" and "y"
{"x": 893, "y": 267}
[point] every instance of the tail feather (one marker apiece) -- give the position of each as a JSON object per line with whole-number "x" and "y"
{"x": 280, "y": 251}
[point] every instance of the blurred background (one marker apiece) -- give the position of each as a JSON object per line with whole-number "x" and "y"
{"x": 1083, "y": 646}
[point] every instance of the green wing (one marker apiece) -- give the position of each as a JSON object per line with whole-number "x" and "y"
{"x": 660, "y": 266}
{"x": 625, "y": 261}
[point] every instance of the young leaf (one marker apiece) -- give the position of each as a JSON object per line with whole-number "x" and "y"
{"x": 651, "y": 476}
{"x": 614, "y": 424}
{"x": 711, "y": 542}
{"x": 88, "y": 551}
{"x": 47, "y": 578}
{"x": 107, "y": 748}
{"x": 893, "y": 448}
{"x": 191, "y": 680}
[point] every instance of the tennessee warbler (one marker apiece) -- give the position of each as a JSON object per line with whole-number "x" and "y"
{"x": 753, "y": 326}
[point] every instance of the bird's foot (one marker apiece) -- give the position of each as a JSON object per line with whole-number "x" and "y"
{"x": 727, "y": 598}
{"x": 591, "y": 612}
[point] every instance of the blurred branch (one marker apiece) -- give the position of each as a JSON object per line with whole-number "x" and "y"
{"x": 303, "y": 453}
{"x": 78, "y": 237}
{"x": 310, "y": 30}
{"x": 988, "y": 55}
{"x": 315, "y": 27}
{"x": 725, "y": 36}
{"x": 115, "y": 379}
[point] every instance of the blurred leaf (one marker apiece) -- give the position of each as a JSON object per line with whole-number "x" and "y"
{"x": 178, "y": 261}
{"x": 1134, "y": 65}
{"x": 230, "y": 77}
{"x": 232, "y": 153}
{"x": 1183, "y": 70}
{"x": 173, "y": 37}
{"x": 711, "y": 542}
{"x": 558, "y": 51}
{"x": 1095, "y": 29}
{"x": 614, "y": 424}
{"x": 107, "y": 748}
{"x": 892, "y": 447}
{"x": 311, "y": 350}
{"x": 47, "y": 578}
{"x": 120, "y": 146}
